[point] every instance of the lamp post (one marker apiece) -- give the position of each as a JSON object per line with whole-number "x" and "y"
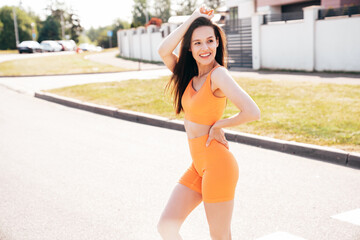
{"x": 62, "y": 26}
{"x": 16, "y": 28}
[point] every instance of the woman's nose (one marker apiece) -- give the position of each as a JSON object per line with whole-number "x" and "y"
{"x": 204, "y": 46}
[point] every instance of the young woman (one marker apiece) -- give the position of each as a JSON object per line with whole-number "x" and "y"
{"x": 200, "y": 85}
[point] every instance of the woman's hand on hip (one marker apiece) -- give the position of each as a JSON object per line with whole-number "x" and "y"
{"x": 219, "y": 135}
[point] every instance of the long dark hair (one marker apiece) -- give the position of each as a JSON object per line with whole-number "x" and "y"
{"x": 186, "y": 67}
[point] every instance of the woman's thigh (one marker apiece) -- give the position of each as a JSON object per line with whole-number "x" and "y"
{"x": 219, "y": 218}
{"x": 220, "y": 176}
{"x": 181, "y": 202}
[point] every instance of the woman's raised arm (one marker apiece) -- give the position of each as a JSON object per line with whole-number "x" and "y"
{"x": 168, "y": 45}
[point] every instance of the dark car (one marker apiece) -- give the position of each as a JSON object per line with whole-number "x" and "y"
{"x": 29, "y": 47}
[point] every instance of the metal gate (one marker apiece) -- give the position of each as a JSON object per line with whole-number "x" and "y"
{"x": 239, "y": 46}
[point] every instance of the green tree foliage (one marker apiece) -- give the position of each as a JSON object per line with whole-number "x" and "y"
{"x": 75, "y": 27}
{"x": 7, "y": 36}
{"x": 38, "y": 23}
{"x": 103, "y": 39}
{"x": 162, "y": 9}
{"x": 214, "y": 4}
{"x": 138, "y": 13}
{"x": 67, "y": 19}
{"x": 51, "y": 29}
{"x": 92, "y": 33}
{"x": 84, "y": 39}
{"x": 186, "y": 7}
{"x": 99, "y": 36}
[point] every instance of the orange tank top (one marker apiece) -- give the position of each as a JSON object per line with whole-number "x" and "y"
{"x": 202, "y": 106}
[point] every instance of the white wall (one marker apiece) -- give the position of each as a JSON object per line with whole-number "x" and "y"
{"x": 136, "y": 42}
{"x": 132, "y": 46}
{"x": 143, "y": 43}
{"x": 269, "y": 9}
{"x": 156, "y": 39}
{"x": 308, "y": 44}
{"x": 246, "y": 8}
{"x": 337, "y": 44}
{"x": 282, "y": 46}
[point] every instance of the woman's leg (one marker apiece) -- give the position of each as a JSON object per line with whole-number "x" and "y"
{"x": 218, "y": 188}
{"x": 219, "y": 218}
{"x": 182, "y": 201}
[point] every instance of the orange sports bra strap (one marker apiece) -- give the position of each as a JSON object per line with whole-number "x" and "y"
{"x": 213, "y": 70}
{"x": 209, "y": 75}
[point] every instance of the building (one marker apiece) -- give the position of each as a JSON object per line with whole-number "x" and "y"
{"x": 246, "y": 8}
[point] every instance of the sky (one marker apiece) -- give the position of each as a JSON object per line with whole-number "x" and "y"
{"x": 91, "y": 13}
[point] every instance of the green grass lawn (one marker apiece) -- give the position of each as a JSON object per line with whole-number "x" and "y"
{"x": 322, "y": 114}
{"x": 8, "y": 51}
{"x": 49, "y": 65}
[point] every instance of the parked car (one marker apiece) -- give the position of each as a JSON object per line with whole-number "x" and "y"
{"x": 29, "y": 47}
{"x": 50, "y": 46}
{"x": 67, "y": 45}
{"x": 90, "y": 47}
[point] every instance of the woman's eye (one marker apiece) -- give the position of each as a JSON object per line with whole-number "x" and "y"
{"x": 211, "y": 41}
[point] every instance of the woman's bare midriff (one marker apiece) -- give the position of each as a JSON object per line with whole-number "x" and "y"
{"x": 194, "y": 130}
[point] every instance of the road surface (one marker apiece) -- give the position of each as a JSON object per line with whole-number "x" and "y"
{"x": 71, "y": 174}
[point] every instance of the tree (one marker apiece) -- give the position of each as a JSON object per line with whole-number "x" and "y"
{"x": 139, "y": 13}
{"x": 68, "y": 20}
{"x": 186, "y": 7}
{"x": 162, "y": 9}
{"x": 100, "y": 37}
{"x": 92, "y": 33}
{"x": 7, "y": 36}
{"x": 75, "y": 27}
{"x": 103, "y": 39}
{"x": 51, "y": 29}
{"x": 38, "y": 23}
{"x": 214, "y": 4}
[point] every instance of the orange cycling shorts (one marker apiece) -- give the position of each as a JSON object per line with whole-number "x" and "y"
{"x": 214, "y": 171}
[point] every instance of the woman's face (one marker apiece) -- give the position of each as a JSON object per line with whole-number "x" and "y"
{"x": 203, "y": 45}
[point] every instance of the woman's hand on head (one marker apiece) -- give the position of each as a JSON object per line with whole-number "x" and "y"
{"x": 204, "y": 11}
{"x": 217, "y": 134}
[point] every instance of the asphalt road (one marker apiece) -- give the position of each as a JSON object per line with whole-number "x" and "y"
{"x": 71, "y": 174}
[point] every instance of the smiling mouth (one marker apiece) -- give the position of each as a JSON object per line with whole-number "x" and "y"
{"x": 205, "y": 55}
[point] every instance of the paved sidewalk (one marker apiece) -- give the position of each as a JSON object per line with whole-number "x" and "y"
{"x": 317, "y": 77}
{"x": 111, "y": 59}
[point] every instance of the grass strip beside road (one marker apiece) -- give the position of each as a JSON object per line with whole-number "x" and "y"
{"x": 8, "y": 51}
{"x": 57, "y": 64}
{"x": 315, "y": 113}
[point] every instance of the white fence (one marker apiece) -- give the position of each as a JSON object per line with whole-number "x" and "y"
{"x": 337, "y": 44}
{"x": 142, "y": 43}
{"x": 308, "y": 44}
